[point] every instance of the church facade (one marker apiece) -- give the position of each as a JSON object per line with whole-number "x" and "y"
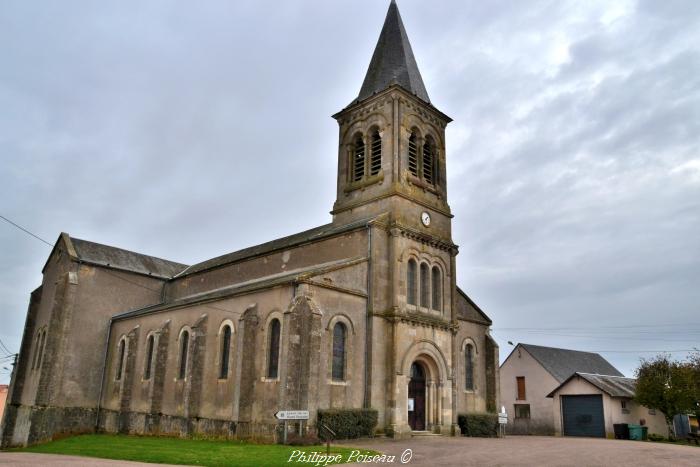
{"x": 363, "y": 312}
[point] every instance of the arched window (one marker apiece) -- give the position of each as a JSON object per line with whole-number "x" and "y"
{"x": 437, "y": 289}
{"x": 428, "y": 166}
{"x": 150, "y": 343}
{"x": 358, "y": 159}
{"x": 273, "y": 349}
{"x": 120, "y": 359}
{"x": 225, "y": 351}
{"x": 339, "y": 333}
{"x": 184, "y": 350}
{"x": 411, "y": 282}
{"x": 424, "y": 286}
{"x": 375, "y": 163}
{"x": 469, "y": 367}
{"x": 413, "y": 154}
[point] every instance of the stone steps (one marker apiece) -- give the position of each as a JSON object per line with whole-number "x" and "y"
{"x": 424, "y": 433}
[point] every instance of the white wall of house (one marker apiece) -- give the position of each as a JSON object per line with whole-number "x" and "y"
{"x": 538, "y": 383}
{"x": 654, "y": 419}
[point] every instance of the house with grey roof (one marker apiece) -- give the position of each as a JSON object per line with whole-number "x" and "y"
{"x": 531, "y": 372}
{"x": 588, "y": 404}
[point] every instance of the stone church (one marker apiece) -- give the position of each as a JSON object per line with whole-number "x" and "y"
{"x": 363, "y": 312}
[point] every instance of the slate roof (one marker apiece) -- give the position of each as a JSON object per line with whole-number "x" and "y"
{"x": 467, "y": 310}
{"x": 615, "y": 386}
{"x": 118, "y": 258}
{"x": 562, "y": 363}
{"x": 393, "y": 61}
{"x": 311, "y": 235}
{"x": 259, "y": 283}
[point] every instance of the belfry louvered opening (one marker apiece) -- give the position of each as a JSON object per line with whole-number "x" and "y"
{"x": 376, "y": 153}
{"x": 428, "y": 165}
{"x": 413, "y": 154}
{"x": 358, "y": 159}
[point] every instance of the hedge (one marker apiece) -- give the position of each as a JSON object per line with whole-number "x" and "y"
{"x": 348, "y": 423}
{"x": 478, "y": 424}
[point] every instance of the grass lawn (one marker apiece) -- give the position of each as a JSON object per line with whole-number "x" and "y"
{"x": 181, "y": 451}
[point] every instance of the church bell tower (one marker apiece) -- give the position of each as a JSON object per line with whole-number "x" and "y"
{"x": 391, "y": 153}
{"x": 392, "y": 173}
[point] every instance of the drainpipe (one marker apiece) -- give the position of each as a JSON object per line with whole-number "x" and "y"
{"x": 368, "y": 323}
{"x": 102, "y": 379}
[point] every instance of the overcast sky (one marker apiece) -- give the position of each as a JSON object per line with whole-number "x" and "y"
{"x": 186, "y": 130}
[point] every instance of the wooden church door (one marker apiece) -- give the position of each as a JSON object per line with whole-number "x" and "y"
{"x": 416, "y": 398}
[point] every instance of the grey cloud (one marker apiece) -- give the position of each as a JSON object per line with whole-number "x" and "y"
{"x": 188, "y": 132}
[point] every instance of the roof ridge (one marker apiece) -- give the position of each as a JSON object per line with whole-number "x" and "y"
{"x": 600, "y": 374}
{"x": 124, "y": 249}
{"x": 560, "y": 348}
{"x": 288, "y": 241}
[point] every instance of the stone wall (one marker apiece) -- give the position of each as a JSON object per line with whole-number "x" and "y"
{"x": 139, "y": 423}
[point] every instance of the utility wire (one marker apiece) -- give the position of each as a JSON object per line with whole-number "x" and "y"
{"x": 567, "y": 328}
{"x": 4, "y": 347}
{"x": 108, "y": 272}
{"x": 679, "y": 339}
{"x": 25, "y": 230}
{"x": 621, "y": 351}
{"x": 530, "y": 330}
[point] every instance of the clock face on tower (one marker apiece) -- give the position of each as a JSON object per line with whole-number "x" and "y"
{"x": 425, "y": 219}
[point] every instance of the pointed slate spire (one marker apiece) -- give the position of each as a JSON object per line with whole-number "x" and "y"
{"x": 393, "y": 61}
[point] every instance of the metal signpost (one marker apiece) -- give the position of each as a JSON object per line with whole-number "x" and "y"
{"x": 502, "y": 421}
{"x": 285, "y": 415}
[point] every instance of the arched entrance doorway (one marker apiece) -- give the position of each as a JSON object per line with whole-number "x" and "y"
{"x": 416, "y": 397}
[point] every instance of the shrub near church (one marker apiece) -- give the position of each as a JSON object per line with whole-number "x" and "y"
{"x": 349, "y": 423}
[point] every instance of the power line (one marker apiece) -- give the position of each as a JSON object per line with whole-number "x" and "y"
{"x": 108, "y": 272}
{"x": 4, "y": 347}
{"x": 677, "y": 340}
{"x": 25, "y": 230}
{"x": 643, "y": 351}
{"x": 566, "y": 328}
{"x": 696, "y": 349}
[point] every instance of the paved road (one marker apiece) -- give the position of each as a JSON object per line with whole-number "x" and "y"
{"x": 535, "y": 451}
{"x": 27, "y": 459}
{"x": 443, "y": 451}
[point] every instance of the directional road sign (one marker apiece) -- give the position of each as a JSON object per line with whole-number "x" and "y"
{"x": 292, "y": 415}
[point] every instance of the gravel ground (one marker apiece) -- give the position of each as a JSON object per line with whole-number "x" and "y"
{"x": 32, "y": 459}
{"x": 446, "y": 451}
{"x": 535, "y": 451}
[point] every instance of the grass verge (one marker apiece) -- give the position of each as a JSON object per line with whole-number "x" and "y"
{"x": 162, "y": 450}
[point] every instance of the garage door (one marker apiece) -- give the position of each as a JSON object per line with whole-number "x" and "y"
{"x": 583, "y": 415}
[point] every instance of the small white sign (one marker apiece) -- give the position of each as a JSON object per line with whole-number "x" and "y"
{"x": 292, "y": 415}
{"x": 411, "y": 405}
{"x": 503, "y": 418}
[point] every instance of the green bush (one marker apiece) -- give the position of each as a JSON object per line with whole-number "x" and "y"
{"x": 483, "y": 425}
{"x": 655, "y": 437}
{"x": 348, "y": 423}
